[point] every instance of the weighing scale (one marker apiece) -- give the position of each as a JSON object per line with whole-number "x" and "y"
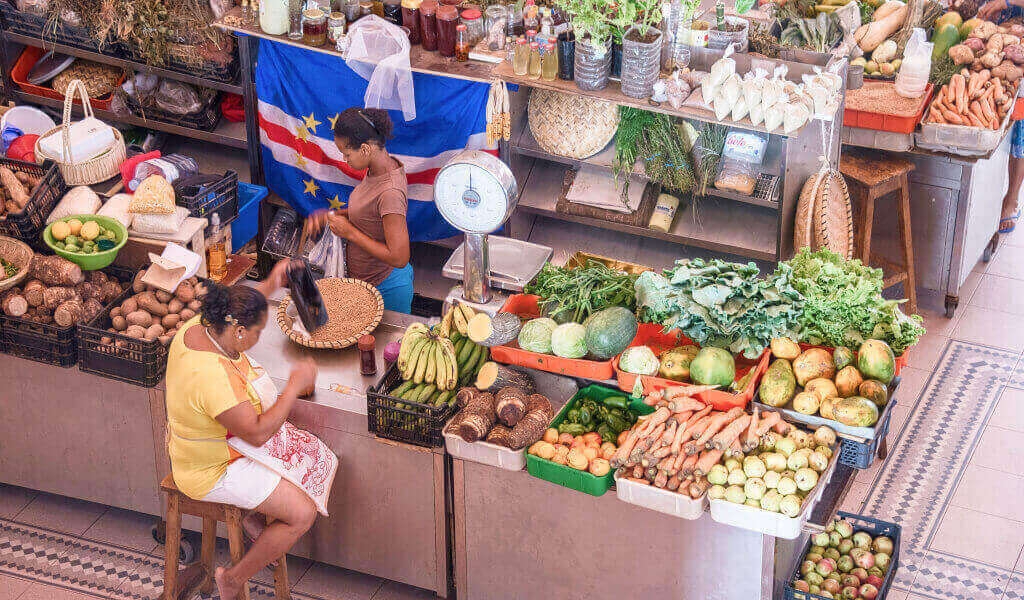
{"x": 476, "y": 193}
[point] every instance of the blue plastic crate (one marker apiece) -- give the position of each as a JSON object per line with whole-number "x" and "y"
{"x": 862, "y": 455}
{"x": 245, "y": 226}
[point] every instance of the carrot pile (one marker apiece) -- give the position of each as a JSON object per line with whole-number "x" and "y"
{"x": 972, "y": 99}
{"x": 675, "y": 446}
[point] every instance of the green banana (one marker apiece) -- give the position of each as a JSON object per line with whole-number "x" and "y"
{"x": 426, "y": 393}
{"x": 398, "y": 391}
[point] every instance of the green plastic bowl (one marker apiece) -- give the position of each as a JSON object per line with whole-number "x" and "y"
{"x": 90, "y": 262}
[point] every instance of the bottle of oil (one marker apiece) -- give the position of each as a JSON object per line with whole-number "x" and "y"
{"x": 534, "y": 69}
{"x": 549, "y": 63}
{"x": 216, "y": 253}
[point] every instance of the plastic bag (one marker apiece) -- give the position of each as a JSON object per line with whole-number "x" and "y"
{"x": 722, "y": 69}
{"x": 329, "y": 254}
{"x": 722, "y": 107}
{"x": 912, "y": 78}
{"x": 160, "y": 223}
{"x": 40, "y": 8}
{"x": 740, "y": 109}
{"x": 379, "y": 52}
{"x": 795, "y": 116}
{"x": 774, "y": 89}
{"x": 117, "y": 208}
{"x": 756, "y": 114}
{"x": 732, "y": 89}
{"x": 696, "y": 100}
{"x": 773, "y": 114}
{"x": 179, "y": 98}
{"x": 753, "y": 83}
{"x": 742, "y": 154}
{"x": 79, "y": 200}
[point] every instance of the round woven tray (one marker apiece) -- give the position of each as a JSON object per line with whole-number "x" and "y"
{"x": 99, "y": 79}
{"x": 362, "y": 294}
{"x": 18, "y": 254}
{"x": 571, "y": 126}
{"x": 824, "y": 220}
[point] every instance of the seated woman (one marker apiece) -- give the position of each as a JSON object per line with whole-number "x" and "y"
{"x": 228, "y": 439}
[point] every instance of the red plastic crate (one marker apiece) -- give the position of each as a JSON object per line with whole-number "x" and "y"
{"x": 891, "y": 123}
{"x": 525, "y": 307}
{"x": 28, "y": 59}
{"x": 1018, "y": 111}
{"x": 654, "y": 337}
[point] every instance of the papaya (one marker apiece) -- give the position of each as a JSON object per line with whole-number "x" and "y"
{"x": 778, "y": 384}
{"x": 945, "y": 37}
{"x": 812, "y": 364}
{"x": 875, "y": 360}
{"x": 968, "y": 26}
{"x": 855, "y": 411}
{"x": 825, "y": 388}
{"x": 847, "y": 381}
{"x": 874, "y": 391}
{"x": 950, "y": 18}
{"x": 842, "y": 357}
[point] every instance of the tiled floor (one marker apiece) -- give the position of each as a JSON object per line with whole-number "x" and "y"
{"x": 954, "y": 480}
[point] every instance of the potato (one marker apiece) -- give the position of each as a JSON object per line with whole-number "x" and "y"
{"x": 175, "y": 306}
{"x": 186, "y": 314}
{"x": 106, "y": 340}
{"x": 185, "y": 292}
{"x": 119, "y": 323}
{"x": 140, "y": 318}
{"x": 130, "y": 305}
{"x": 170, "y": 320}
{"x": 154, "y": 331}
{"x": 165, "y": 339}
{"x": 116, "y": 312}
{"x": 148, "y": 302}
{"x": 136, "y": 331}
{"x": 163, "y": 296}
{"x": 137, "y": 285}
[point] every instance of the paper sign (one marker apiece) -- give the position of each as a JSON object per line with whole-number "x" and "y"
{"x": 168, "y": 270}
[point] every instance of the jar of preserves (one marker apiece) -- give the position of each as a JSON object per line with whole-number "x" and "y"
{"x": 314, "y": 27}
{"x": 521, "y": 57}
{"x": 335, "y": 27}
{"x": 411, "y": 19}
{"x": 447, "y": 20}
{"x": 495, "y": 21}
{"x": 462, "y": 44}
{"x": 474, "y": 23}
{"x": 274, "y": 17}
{"x": 428, "y": 24}
{"x": 365, "y": 8}
{"x": 351, "y": 10}
{"x": 393, "y": 11}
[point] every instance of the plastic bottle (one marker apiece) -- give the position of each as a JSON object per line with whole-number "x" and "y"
{"x": 461, "y": 43}
{"x": 534, "y": 70}
{"x": 171, "y": 166}
{"x": 216, "y": 253}
{"x": 274, "y": 17}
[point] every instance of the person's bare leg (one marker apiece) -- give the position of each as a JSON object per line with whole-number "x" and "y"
{"x": 294, "y": 514}
{"x": 253, "y": 524}
{"x": 1016, "y": 171}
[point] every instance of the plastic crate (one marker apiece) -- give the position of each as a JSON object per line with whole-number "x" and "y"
{"x": 654, "y": 337}
{"x": 220, "y": 198}
{"x": 412, "y": 422}
{"x": 525, "y": 307}
{"x": 204, "y": 120}
{"x": 117, "y": 356}
{"x": 28, "y": 225}
{"x": 244, "y": 227}
{"x": 890, "y": 123}
{"x": 663, "y": 501}
{"x": 566, "y": 476}
{"x": 876, "y": 528}
{"x": 860, "y": 455}
{"x": 224, "y": 73}
{"x": 962, "y": 139}
{"x": 57, "y": 32}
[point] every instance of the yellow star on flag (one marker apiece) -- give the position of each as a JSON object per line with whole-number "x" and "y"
{"x": 334, "y": 120}
{"x": 335, "y": 202}
{"x": 311, "y": 122}
{"x": 302, "y": 133}
{"x": 311, "y": 187}
{"x": 300, "y": 161}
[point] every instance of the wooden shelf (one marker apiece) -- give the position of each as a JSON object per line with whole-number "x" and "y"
{"x": 121, "y": 62}
{"x": 710, "y": 223}
{"x": 226, "y": 134}
{"x": 527, "y": 145}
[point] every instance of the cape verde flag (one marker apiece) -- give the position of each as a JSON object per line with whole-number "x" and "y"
{"x": 301, "y": 93}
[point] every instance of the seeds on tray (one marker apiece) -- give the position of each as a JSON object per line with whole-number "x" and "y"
{"x": 350, "y": 308}
{"x": 880, "y": 97}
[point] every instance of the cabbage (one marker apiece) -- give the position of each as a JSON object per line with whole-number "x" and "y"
{"x": 569, "y": 340}
{"x": 640, "y": 360}
{"x": 535, "y": 336}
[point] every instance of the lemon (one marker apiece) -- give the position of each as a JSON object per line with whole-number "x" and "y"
{"x": 90, "y": 230}
{"x": 75, "y": 226}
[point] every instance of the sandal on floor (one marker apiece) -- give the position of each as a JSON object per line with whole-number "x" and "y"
{"x": 1008, "y": 224}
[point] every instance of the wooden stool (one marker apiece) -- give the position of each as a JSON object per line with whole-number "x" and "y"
{"x": 870, "y": 178}
{"x": 179, "y": 504}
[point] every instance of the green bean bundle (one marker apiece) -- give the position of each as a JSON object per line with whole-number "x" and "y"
{"x": 571, "y": 295}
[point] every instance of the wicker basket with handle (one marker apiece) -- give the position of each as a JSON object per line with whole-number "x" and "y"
{"x": 94, "y": 170}
{"x": 287, "y": 320}
{"x": 17, "y": 253}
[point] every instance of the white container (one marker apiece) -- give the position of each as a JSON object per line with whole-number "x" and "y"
{"x": 961, "y": 139}
{"x": 274, "y": 17}
{"x": 663, "y": 501}
{"x": 485, "y": 453}
{"x": 769, "y": 523}
{"x": 879, "y": 140}
{"x": 29, "y": 119}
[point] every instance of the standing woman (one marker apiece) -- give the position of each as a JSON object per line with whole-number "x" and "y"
{"x": 374, "y": 222}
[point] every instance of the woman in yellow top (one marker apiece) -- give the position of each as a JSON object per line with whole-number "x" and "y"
{"x": 213, "y": 388}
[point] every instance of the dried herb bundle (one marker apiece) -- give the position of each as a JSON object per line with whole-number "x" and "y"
{"x": 707, "y": 152}
{"x": 653, "y": 138}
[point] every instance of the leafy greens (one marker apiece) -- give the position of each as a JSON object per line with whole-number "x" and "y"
{"x": 723, "y": 304}
{"x": 843, "y": 303}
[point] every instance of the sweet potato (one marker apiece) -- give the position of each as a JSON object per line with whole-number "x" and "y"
{"x": 54, "y": 270}
{"x": 962, "y": 54}
{"x": 195, "y": 305}
{"x": 170, "y": 320}
{"x": 15, "y": 189}
{"x": 148, "y": 302}
{"x": 175, "y": 306}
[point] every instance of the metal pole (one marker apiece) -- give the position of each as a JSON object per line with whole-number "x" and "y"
{"x": 248, "y": 47}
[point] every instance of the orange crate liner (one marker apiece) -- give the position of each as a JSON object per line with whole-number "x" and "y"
{"x": 28, "y": 59}
{"x": 653, "y": 336}
{"x": 525, "y": 306}
{"x": 891, "y": 123}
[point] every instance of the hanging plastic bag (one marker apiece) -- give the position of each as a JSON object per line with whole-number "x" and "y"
{"x": 774, "y": 89}
{"x": 721, "y": 70}
{"x": 912, "y": 78}
{"x": 329, "y": 254}
{"x": 379, "y": 52}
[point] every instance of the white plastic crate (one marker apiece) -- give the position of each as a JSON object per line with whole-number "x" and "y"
{"x": 485, "y": 453}
{"x": 660, "y": 500}
{"x": 961, "y": 139}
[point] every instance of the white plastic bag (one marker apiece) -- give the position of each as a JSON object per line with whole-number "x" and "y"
{"x": 774, "y": 89}
{"x": 756, "y": 114}
{"x": 753, "y": 83}
{"x": 117, "y": 208}
{"x": 379, "y": 52}
{"x": 80, "y": 200}
{"x": 912, "y": 78}
{"x": 794, "y": 116}
{"x": 732, "y": 89}
{"x": 774, "y": 114}
{"x": 721, "y": 70}
{"x": 145, "y": 223}
{"x": 740, "y": 109}
{"x": 329, "y": 254}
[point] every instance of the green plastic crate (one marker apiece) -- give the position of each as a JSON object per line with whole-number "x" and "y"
{"x": 566, "y": 476}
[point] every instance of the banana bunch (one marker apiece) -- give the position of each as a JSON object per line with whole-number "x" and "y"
{"x": 469, "y": 358}
{"x": 459, "y": 315}
{"x": 423, "y": 393}
{"x": 428, "y": 357}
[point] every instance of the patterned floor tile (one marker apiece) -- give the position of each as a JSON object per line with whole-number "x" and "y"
{"x": 40, "y": 591}
{"x": 1000, "y": 449}
{"x": 14, "y": 499}
{"x": 983, "y": 538}
{"x": 991, "y": 492}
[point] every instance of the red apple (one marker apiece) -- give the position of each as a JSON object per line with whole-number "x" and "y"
{"x": 832, "y": 586}
{"x": 875, "y": 580}
{"x": 849, "y": 593}
{"x": 865, "y": 561}
{"x": 825, "y": 566}
{"x": 851, "y": 580}
{"x": 868, "y": 591}
{"x": 862, "y": 574}
{"x": 801, "y": 585}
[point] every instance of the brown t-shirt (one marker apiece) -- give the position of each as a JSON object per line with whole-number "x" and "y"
{"x": 374, "y": 197}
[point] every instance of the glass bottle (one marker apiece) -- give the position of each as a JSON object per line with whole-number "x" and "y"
{"x": 411, "y": 19}
{"x": 393, "y": 11}
{"x": 367, "y": 355}
{"x": 521, "y": 58}
{"x": 365, "y": 8}
{"x": 530, "y": 16}
{"x": 447, "y": 20}
{"x": 335, "y": 27}
{"x": 515, "y": 19}
{"x": 295, "y": 19}
{"x": 534, "y": 69}
{"x": 546, "y": 23}
{"x": 314, "y": 27}
{"x": 351, "y": 10}
{"x": 428, "y": 24}
{"x": 216, "y": 253}
{"x": 549, "y": 63}
{"x": 474, "y": 23}
{"x": 274, "y": 17}
{"x": 461, "y": 43}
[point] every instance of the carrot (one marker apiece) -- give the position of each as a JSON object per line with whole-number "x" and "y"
{"x": 649, "y": 440}
{"x": 662, "y": 452}
{"x": 987, "y": 108}
{"x": 731, "y": 433}
{"x": 947, "y": 92}
{"x": 673, "y": 483}
{"x": 658, "y": 417}
{"x": 623, "y": 452}
{"x": 766, "y": 423}
{"x": 670, "y": 433}
{"x": 750, "y": 440}
{"x": 934, "y": 116}
{"x": 685, "y": 403}
{"x": 699, "y": 415}
{"x": 707, "y": 460}
{"x": 974, "y": 120}
{"x": 952, "y": 117}
{"x": 735, "y": 449}
{"x": 718, "y": 422}
{"x": 681, "y": 418}
{"x": 677, "y": 464}
{"x": 694, "y": 431}
{"x": 660, "y": 480}
{"x": 677, "y": 441}
{"x": 689, "y": 464}
{"x": 654, "y": 398}
{"x": 998, "y": 84}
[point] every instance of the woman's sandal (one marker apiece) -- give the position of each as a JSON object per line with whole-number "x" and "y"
{"x": 1008, "y": 224}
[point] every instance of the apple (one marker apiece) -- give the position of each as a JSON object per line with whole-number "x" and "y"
{"x": 806, "y": 567}
{"x": 832, "y": 586}
{"x": 814, "y": 557}
{"x": 814, "y": 589}
{"x": 825, "y": 594}
{"x": 845, "y": 564}
{"x": 876, "y": 570}
{"x": 875, "y": 580}
{"x": 862, "y": 539}
{"x": 844, "y": 527}
{"x": 849, "y": 593}
{"x": 882, "y": 561}
{"x": 820, "y": 539}
{"x": 882, "y": 544}
{"x": 850, "y": 581}
{"x": 868, "y": 591}
{"x": 801, "y": 585}
{"x": 845, "y": 546}
{"x": 860, "y": 574}
{"x": 832, "y": 553}
{"x": 865, "y": 560}
{"x": 834, "y": 538}
{"x": 817, "y": 550}
{"x": 825, "y": 566}
{"x": 814, "y": 579}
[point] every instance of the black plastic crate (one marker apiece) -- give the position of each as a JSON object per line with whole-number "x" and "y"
{"x": 56, "y": 32}
{"x": 219, "y": 198}
{"x": 875, "y": 527}
{"x": 205, "y": 120}
{"x": 117, "y": 356}
{"x": 28, "y": 225}
{"x": 224, "y": 73}
{"x": 860, "y": 455}
{"x": 402, "y": 420}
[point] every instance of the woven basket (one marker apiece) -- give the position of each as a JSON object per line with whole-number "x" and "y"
{"x": 94, "y": 170}
{"x": 287, "y": 321}
{"x": 570, "y": 125}
{"x": 824, "y": 218}
{"x": 99, "y": 80}
{"x": 18, "y": 254}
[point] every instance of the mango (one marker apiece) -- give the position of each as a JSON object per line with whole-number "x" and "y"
{"x": 875, "y": 391}
{"x": 949, "y": 18}
{"x": 876, "y": 361}
{"x": 812, "y": 364}
{"x": 842, "y": 357}
{"x": 779, "y": 384}
{"x": 825, "y": 408}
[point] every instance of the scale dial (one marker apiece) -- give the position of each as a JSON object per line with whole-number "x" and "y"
{"x": 475, "y": 192}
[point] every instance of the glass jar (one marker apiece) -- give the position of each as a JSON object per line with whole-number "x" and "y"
{"x": 367, "y": 355}
{"x": 274, "y": 17}
{"x": 411, "y": 19}
{"x": 521, "y": 57}
{"x": 314, "y": 27}
{"x": 365, "y": 8}
{"x": 447, "y": 20}
{"x": 378, "y": 8}
{"x": 351, "y": 10}
{"x": 335, "y": 27}
{"x": 428, "y": 24}
{"x": 495, "y": 20}
{"x": 534, "y": 68}
{"x": 393, "y": 11}
{"x": 462, "y": 43}
{"x": 474, "y": 23}
{"x": 295, "y": 19}
{"x": 515, "y": 19}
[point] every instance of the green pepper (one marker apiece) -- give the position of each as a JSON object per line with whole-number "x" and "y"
{"x": 616, "y": 402}
{"x": 602, "y": 413}
{"x": 618, "y": 424}
{"x": 573, "y": 416}
{"x": 585, "y": 417}
{"x": 572, "y": 429}
{"x": 606, "y": 433}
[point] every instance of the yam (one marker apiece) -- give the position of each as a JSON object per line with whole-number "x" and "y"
{"x": 149, "y": 303}
{"x": 500, "y": 435}
{"x": 186, "y": 314}
{"x": 15, "y": 189}
{"x": 110, "y": 290}
{"x": 55, "y": 296}
{"x": 135, "y": 331}
{"x": 34, "y": 292}
{"x": 175, "y": 306}
{"x": 54, "y": 270}
{"x": 140, "y": 318}
{"x": 69, "y": 313}
{"x": 137, "y": 285}
{"x": 163, "y": 296}
{"x": 529, "y": 429}
{"x": 492, "y": 377}
{"x": 154, "y": 331}
{"x": 185, "y": 292}
{"x": 92, "y": 307}
{"x": 539, "y": 403}
{"x": 119, "y": 323}
{"x": 510, "y": 405}
{"x": 479, "y": 418}
{"x": 97, "y": 277}
{"x": 130, "y": 305}
{"x": 170, "y": 320}
{"x": 88, "y": 290}
{"x": 15, "y": 305}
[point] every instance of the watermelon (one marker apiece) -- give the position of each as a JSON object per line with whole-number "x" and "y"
{"x": 610, "y": 331}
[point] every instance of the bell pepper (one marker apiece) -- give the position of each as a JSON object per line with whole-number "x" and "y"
{"x": 616, "y": 402}
{"x": 606, "y": 433}
{"x": 618, "y": 424}
{"x": 573, "y": 415}
{"x": 586, "y": 418}
{"x": 572, "y": 428}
